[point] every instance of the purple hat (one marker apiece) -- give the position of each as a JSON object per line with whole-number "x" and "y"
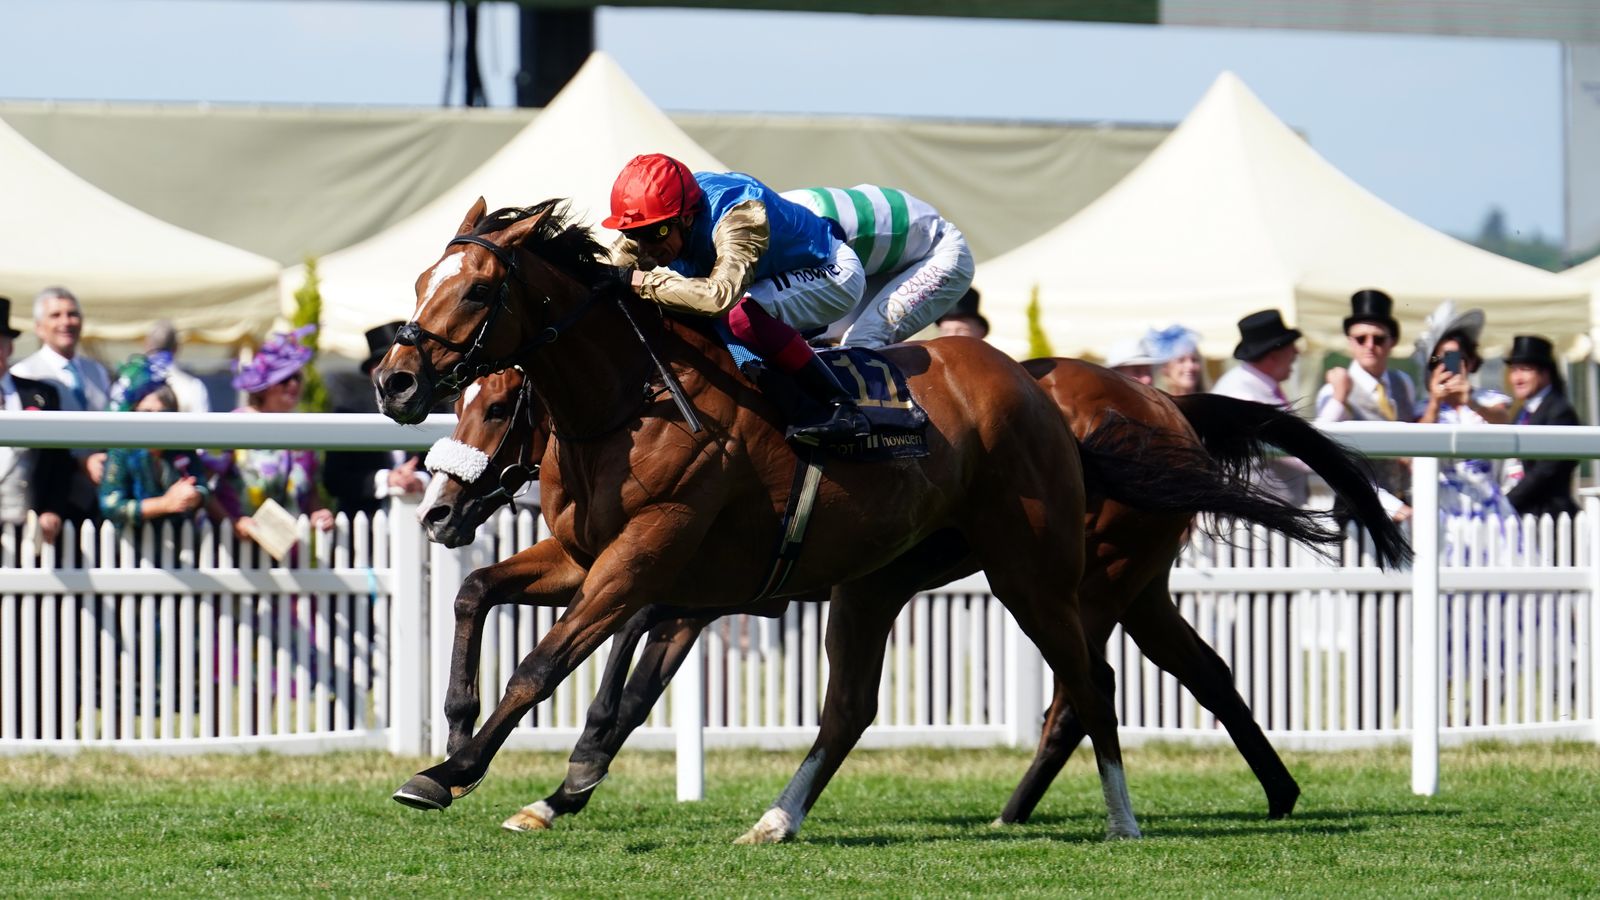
{"x": 282, "y": 354}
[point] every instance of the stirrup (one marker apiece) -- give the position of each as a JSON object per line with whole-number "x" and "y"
{"x": 845, "y": 423}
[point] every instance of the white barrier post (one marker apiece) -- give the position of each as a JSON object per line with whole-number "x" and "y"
{"x": 688, "y": 722}
{"x": 1589, "y": 645}
{"x": 1425, "y": 626}
{"x": 408, "y": 655}
{"x": 1024, "y": 685}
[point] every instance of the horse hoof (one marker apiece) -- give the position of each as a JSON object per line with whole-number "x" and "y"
{"x": 1278, "y": 809}
{"x": 533, "y": 817}
{"x": 774, "y": 828}
{"x": 999, "y": 822}
{"x": 422, "y": 792}
{"x": 1131, "y": 835}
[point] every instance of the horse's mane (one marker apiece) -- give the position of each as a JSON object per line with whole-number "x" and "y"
{"x": 556, "y": 239}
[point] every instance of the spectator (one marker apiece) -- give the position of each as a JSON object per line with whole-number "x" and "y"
{"x": 963, "y": 319}
{"x": 145, "y": 484}
{"x": 1266, "y": 352}
{"x": 190, "y": 391}
{"x": 1539, "y": 486}
{"x": 1368, "y": 390}
{"x": 1448, "y": 352}
{"x": 1184, "y": 371}
{"x": 29, "y": 479}
{"x": 248, "y": 478}
{"x": 81, "y": 385}
{"x": 1133, "y": 359}
{"x": 361, "y": 480}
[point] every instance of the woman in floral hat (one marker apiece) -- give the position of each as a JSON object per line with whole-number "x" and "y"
{"x": 142, "y": 484}
{"x": 272, "y": 380}
{"x": 1184, "y": 370}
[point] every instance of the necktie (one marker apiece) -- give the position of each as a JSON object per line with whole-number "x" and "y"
{"x": 77, "y": 385}
{"x": 1523, "y": 416}
{"x": 1384, "y": 406}
{"x": 1278, "y": 392}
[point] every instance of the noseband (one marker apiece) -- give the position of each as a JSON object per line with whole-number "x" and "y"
{"x": 516, "y": 476}
{"x": 472, "y": 366}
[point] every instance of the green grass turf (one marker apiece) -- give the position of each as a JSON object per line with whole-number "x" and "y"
{"x": 1520, "y": 819}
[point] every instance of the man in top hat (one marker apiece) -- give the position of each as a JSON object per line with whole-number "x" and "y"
{"x": 1539, "y": 486}
{"x": 1266, "y": 353}
{"x": 963, "y": 319}
{"x": 362, "y": 480}
{"x": 29, "y": 479}
{"x": 1369, "y": 391}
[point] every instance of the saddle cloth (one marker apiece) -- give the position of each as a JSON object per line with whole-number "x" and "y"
{"x": 898, "y": 423}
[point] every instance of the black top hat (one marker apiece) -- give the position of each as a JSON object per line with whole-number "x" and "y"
{"x": 378, "y": 341}
{"x": 1373, "y": 305}
{"x": 5, "y": 318}
{"x": 1261, "y": 333}
{"x": 966, "y": 308}
{"x": 1531, "y": 350}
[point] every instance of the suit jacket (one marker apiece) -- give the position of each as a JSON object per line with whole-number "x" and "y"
{"x": 1546, "y": 484}
{"x": 53, "y": 466}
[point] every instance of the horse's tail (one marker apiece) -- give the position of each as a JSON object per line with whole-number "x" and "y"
{"x": 1236, "y": 433}
{"x": 1156, "y": 470}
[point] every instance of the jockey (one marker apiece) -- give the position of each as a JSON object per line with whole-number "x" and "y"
{"x": 731, "y": 245}
{"x": 917, "y": 262}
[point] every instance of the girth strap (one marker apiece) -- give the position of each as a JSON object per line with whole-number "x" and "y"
{"x": 796, "y": 516}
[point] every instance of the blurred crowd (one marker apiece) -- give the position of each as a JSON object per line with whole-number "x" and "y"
{"x": 1371, "y": 387}
{"x": 129, "y": 486}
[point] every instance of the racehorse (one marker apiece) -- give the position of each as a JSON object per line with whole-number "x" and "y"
{"x": 501, "y": 433}
{"x": 652, "y": 510}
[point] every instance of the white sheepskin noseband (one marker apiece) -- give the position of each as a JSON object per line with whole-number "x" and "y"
{"x": 464, "y": 461}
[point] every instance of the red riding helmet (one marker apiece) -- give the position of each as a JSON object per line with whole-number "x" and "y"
{"x": 652, "y": 188}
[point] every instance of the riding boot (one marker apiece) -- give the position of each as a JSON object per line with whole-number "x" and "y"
{"x": 841, "y": 420}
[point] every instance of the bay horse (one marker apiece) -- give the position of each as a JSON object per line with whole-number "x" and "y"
{"x": 652, "y": 510}
{"x": 500, "y": 423}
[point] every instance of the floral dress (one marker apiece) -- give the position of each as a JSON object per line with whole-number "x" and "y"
{"x": 249, "y": 477}
{"x": 1470, "y": 488}
{"x": 134, "y": 475}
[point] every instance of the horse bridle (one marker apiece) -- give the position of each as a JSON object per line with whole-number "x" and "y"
{"x": 471, "y": 367}
{"x": 518, "y": 475}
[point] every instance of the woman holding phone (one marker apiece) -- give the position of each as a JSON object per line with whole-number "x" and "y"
{"x": 1448, "y": 353}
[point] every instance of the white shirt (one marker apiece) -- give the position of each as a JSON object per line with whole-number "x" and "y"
{"x": 48, "y": 365}
{"x": 190, "y": 391}
{"x": 1365, "y": 385}
{"x": 1246, "y": 382}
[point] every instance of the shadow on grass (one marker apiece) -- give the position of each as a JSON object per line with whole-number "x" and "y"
{"x": 1086, "y": 829}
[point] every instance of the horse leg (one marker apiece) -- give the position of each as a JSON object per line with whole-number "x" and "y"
{"x": 620, "y": 706}
{"x": 1060, "y": 737}
{"x": 859, "y": 620}
{"x": 542, "y": 574}
{"x": 587, "y": 622}
{"x": 1168, "y": 640}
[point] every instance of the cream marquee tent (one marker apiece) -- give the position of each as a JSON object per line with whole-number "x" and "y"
{"x": 128, "y": 268}
{"x": 574, "y": 149}
{"x": 1589, "y": 274}
{"x": 1234, "y": 213}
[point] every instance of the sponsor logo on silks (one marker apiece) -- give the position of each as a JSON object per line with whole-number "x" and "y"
{"x": 784, "y": 281}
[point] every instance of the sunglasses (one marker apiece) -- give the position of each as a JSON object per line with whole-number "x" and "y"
{"x": 649, "y": 232}
{"x": 296, "y": 378}
{"x": 1376, "y": 340}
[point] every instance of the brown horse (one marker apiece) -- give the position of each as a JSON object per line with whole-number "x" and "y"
{"x": 501, "y": 427}
{"x": 650, "y": 509}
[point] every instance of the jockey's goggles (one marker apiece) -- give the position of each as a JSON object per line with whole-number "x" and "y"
{"x": 649, "y": 232}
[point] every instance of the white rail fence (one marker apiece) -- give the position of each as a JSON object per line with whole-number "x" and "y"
{"x": 181, "y": 640}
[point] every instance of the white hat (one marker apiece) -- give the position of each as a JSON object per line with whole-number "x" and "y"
{"x": 1441, "y": 322}
{"x": 1130, "y": 352}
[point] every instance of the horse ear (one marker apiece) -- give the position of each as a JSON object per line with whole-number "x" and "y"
{"x": 473, "y": 216}
{"x": 514, "y": 235}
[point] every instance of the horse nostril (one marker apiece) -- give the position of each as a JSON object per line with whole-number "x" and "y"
{"x": 436, "y": 514}
{"x": 399, "y": 385}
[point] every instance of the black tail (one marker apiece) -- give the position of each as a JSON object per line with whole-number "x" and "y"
{"x": 1237, "y": 432}
{"x": 1154, "y": 469}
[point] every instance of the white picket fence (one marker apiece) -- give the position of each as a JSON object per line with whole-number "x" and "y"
{"x": 185, "y": 641}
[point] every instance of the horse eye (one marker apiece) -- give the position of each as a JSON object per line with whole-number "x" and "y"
{"x": 479, "y": 293}
{"x": 497, "y": 411}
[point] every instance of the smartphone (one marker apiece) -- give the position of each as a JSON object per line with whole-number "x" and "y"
{"x": 1452, "y": 361}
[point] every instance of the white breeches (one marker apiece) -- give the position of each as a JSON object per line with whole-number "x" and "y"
{"x": 805, "y": 299}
